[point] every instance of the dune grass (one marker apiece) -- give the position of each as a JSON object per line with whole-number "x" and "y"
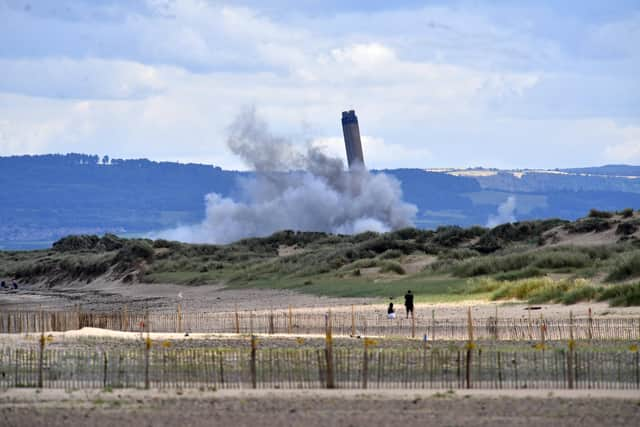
{"x": 627, "y": 266}
{"x": 545, "y": 289}
{"x": 531, "y": 263}
{"x": 533, "y": 290}
{"x": 621, "y": 295}
{"x": 511, "y": 261}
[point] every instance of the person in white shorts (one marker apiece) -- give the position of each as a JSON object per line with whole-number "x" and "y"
{"x": 391, "y": 312}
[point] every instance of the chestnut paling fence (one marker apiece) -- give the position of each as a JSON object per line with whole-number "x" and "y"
{"x": 369, "y": 367}
{"x": 364, "y": 323}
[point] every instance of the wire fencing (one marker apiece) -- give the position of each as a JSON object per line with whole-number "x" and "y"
{"x": 300, "y": 368}
{"x": 363, "y": 323}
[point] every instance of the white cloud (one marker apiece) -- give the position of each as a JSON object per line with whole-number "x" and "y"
{"x": 437, "y": 86}
{"x": 377, "y": 153}
{"x": 83, "y": 79}
{"x": 627, "y": 149}
{"x": 364, "y": 56}
{"x": 28, "y": 138}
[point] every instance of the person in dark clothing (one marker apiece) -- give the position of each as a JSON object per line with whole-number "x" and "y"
{"x": 3, "y": 285}
{"x": 15, "y": 285}
{"x": 391, "y": 312}
{"x": 408, "y": 303}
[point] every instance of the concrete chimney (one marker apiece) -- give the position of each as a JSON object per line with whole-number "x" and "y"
{"x": 352, "y": 142}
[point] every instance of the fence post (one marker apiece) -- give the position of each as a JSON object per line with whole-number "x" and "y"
{"x": 104, "y": 370}
{"x": 251, "y": 323}
{"x": 413, "y": 324}
{"x": 570, "y": 352}
{"x": 499, "y": 371}
{"x": 290, "y": 323}
{"x": 365, "y": 364}
{"x": 458, "y": 369}
{"x": 470, "y": 346}
{"x": 179, "y": 318}
{"x": 571, "y": 325}
{"x": 543, "y": 329}
{"x": 125, "y": 323}
{"x": 353, "y": 321}
{"x": 433, "y": 324}
{"x": 497, "y": 328}
{"x": 637, "y": 369}
{"x": 79, "y": 314}
{"x": 147, "y": 351}
{"x": 254, "y": 380}
{"x": 271, "y": 325}
{"x": 530, "y": 331}
{"x": 329, "y": 351}
{"x": 41, "y": 359}
{"x": 590, "y": 332}
{"x": 237, "y": 320}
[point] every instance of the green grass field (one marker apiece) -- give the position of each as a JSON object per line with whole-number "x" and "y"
{"x": 427, "y": 288}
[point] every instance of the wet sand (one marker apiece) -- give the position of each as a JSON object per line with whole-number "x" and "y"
{"x": 101, "y": 296}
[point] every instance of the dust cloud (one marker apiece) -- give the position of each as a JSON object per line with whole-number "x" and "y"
{"x": 295, "y": 189}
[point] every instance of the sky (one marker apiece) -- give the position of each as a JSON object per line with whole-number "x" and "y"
{"x": 530, "y": 84}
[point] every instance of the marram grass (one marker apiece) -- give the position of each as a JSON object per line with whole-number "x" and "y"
{"x": 538, "y": 290}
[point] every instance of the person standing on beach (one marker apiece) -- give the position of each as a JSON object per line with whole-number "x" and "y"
{"x": 391, "y": 312}
{"x": 408, "y": 303}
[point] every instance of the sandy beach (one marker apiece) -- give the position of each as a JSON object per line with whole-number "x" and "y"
{"x": 318, "y": 408}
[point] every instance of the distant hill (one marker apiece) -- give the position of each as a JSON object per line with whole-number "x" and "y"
{"x": 45, "y": 197}
{"x": 608, "y": 170}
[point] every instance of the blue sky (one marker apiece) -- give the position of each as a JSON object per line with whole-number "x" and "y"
{"x": 435, "y": 84}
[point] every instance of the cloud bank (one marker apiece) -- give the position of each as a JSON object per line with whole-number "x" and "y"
{"x": 433, "y": 81}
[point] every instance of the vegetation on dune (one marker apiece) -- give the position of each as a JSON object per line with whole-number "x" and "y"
{"x": 530, "y": 263}
{"x": 628, "y": 228}
{"x": 521, "y": 232}
{"x": 524, "y": 273}
{"x": 588, "y": 225}
{"x": 595, "y": 213}
{"x": 622, "y": 295}
{"x": 544, "y": 289}
{"x": 534, "y": 290}
{"x": 392, "y": 267}
{"x": 626, "y": 213}
{"x": 626, "y": 266}
{"x": 527, "y": 260}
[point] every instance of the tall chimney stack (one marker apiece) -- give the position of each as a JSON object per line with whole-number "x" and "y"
{"x": 352, "y": 142}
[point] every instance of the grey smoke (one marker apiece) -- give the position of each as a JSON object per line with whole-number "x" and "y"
{"x": 506, "y": 213}
{"x": 295, "y": 189}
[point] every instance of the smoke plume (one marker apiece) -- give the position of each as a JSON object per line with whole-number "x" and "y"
{"x": 295, "y": 190}
{"x": 506, "y": 213}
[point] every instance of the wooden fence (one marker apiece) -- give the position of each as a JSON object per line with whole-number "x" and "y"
{"x": 363, "y": 323}
{"x": 297, "y": 368}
